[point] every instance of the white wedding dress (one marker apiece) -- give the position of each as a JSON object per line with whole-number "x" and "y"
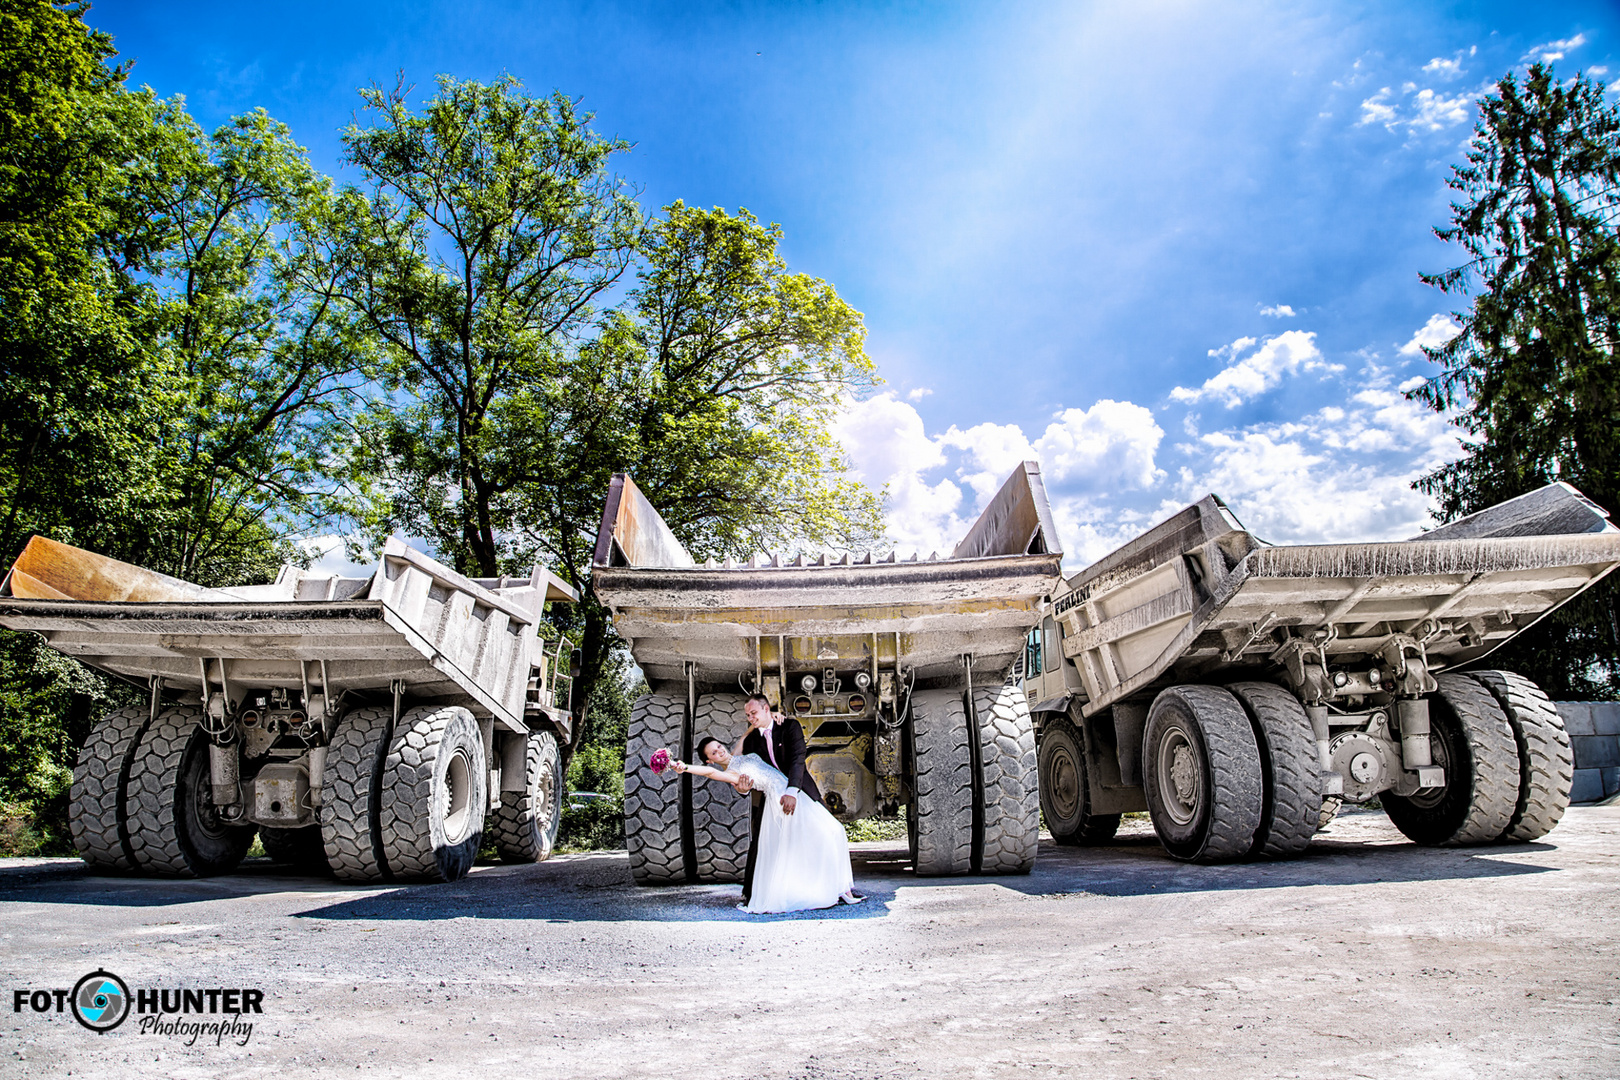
{"x": 803, "y": 859}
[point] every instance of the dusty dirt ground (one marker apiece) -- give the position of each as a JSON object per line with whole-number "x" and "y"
{"x": 1367, "y": 958}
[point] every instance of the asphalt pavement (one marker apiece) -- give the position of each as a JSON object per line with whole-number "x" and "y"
{"x": 1369, "y": 957}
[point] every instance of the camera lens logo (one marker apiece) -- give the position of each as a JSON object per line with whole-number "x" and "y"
{"x": 101, "y": 1001}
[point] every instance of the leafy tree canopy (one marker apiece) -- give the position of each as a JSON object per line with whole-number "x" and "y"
{"x": 492, "y": 225}
{"x": 714, "y": 386}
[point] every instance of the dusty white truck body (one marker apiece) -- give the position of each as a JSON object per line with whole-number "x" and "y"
{"x": 263, "y": 682}
{"x": 882, "y": 662}
{"x": 1360, "y": 637}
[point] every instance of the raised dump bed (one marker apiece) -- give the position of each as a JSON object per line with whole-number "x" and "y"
{"x": 1240, "y": 691}
{"x": 895, "y": 670}
{"x": 370, "y": 726}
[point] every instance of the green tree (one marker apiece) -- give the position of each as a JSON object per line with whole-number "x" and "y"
{"x": 715, "y": 387}
{"x": 1534, "y": 376}
{"x": 493, "y": 225}
{"x": 78, "y": 389}
{"x": 168, "y": 381}
{"x": 266, "y": 367}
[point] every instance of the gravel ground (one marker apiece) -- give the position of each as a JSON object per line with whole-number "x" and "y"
{"x": 1368, "y": 957}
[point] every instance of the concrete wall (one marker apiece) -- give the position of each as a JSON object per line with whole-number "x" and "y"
{"x": 1594, "y": 735}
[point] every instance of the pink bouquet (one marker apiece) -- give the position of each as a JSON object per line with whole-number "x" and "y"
{"x": 659, "y": 761}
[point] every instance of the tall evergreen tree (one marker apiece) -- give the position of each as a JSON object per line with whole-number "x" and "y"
{"x": 1534, "y": 376}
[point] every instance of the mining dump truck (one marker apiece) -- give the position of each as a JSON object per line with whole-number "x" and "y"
{"x": 1240, "y": 692}
{"x": 373, "y": 728}
{"x": 895, "y": 669}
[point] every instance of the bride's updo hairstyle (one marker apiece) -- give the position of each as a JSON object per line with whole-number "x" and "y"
{"x": 703, "y": 748}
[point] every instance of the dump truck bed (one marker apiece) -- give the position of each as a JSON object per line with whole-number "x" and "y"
{"x": 732, "y": 619}
{"x": 1198, "y": 593}
{"x": 447, "y": 638}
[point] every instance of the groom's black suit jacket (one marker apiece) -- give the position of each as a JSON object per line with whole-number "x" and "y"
{"x": 787, "y": 740}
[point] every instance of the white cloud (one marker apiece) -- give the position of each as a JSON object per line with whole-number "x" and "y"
{"x": 1104, "y": 448}
{"x": 1342, "y": 474}
{"x": 1555, "y": 50}
{"x": 888, "y": 449}
{"x": 992, "y": 451}
{"x": 1286, "y": 354}
{"x": 1378, "y": 110}
{"x": 1436, "y": 113}
{"x": 919, "y": 393}
{"x": 1278, "y": 311}
{"x": 1432, "y": 334}
{"x": 1444, "y": 69}
{"x": 1087, "y": 455}
{"x": 1427, "y": 111}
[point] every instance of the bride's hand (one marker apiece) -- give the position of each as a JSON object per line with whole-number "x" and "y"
{"x": 678, "y": 765}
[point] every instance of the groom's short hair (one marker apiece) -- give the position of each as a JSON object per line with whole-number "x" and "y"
{"x": 760, "y": 698}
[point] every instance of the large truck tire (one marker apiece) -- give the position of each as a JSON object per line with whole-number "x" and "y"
{"x": 940, "y": 818}
{"x": 1202, "y": 774}
{"x": 719, "y": 815}
{"x": 1065, "y": 789}
{"x": 301, "y": 849}
{"x": 1470, "y": 737}
{"x": 1546, "y": 764}
{"x": 525, "y": 824}
{"x": 652, "y": 804}
{"x": 1290, "y": 770}
{"x": 435, "y": 794}
{"x": 174, "y": 829}
{"x": 350, "y": 794}
{"x": 1009, "y": 831}
{"x": 96, "y": 802}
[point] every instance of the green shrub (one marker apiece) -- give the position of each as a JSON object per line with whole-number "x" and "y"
{"x": 594, "y": 824}
{"x": 872, "y": 828}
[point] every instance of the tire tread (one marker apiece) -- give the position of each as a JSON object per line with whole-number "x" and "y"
{"x": 1546, "y": 762}
{"x": 1290, "y": 770}
{"x": 943, "y": 783}
{"x": 720, "y": 816}
{"x": 652, "y": 804}
{"x": 96, "y": 802}
{"x": 1010, "y": 792}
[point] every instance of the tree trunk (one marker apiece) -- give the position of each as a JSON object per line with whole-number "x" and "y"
{"x": 593, "y": 655}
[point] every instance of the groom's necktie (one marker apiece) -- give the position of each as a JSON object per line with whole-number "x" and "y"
{"x": 769, "y": 749}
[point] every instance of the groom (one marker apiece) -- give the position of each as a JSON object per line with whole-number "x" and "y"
{"x": 779, "y": 740}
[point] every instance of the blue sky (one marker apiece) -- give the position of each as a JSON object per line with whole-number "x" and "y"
{"x": 1168, "y": 248}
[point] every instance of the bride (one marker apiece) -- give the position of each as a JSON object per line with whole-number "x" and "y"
{"x": 803, "y": 856}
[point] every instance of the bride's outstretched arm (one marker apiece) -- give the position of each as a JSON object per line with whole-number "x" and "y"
{"x": 725, "y": 776}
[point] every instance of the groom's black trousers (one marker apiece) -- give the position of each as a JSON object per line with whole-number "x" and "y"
{"x": 756, "y": 818}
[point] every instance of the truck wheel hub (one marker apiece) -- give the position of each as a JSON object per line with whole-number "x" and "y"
{"x": 1065, "y": 785}
{"x": 1180, "y": 777}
